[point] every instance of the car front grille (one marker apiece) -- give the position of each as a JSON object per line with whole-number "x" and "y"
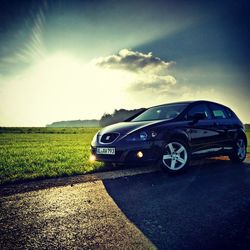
{"x": 109, "y": 137}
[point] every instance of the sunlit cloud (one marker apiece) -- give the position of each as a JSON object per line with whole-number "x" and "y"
{"x": 135, "y": 61}
{"x": 152, "y": 82}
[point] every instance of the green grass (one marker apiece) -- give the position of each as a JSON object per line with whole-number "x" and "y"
{"x": 43, "y": 130}
{"x": 31, "y": 153}
{"x": 248, "y": 139}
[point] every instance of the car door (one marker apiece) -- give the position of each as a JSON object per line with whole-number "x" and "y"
{"x": 222, "y": 124}
{"x": 203, "y": 136}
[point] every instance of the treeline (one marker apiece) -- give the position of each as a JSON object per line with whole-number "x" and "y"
{"x": 74, "y": 124}
{"x": 118, "y": 116}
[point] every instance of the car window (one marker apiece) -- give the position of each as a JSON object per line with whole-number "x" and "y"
{"x": 169, "y": 111}
{"x": 229, "y": 113}
{"x": 218, "y": 111}
{"x": 199, "y": 108}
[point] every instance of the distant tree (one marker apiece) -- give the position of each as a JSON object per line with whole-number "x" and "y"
{"x": 106, "y": 120}
{"x": 118, "y": 116}
{"x": 74, "y": 124}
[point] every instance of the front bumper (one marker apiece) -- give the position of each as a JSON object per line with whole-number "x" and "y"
{"x": 127, "y": 152}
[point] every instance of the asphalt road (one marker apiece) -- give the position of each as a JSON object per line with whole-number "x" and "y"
{"x": 207, "y": 207}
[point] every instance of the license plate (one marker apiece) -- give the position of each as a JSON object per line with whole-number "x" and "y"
{"x": 105, "y": 151}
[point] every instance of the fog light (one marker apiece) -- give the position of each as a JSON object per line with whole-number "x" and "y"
{"x": 139, "y": 154}
{"x": 92, "y": 158}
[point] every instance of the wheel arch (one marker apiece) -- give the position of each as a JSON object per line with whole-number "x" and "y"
{"x": 179, "y": 136}
{"x": 242, "y": 134}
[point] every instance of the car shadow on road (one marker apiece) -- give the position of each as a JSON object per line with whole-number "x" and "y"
{"x": 205, "y": 208}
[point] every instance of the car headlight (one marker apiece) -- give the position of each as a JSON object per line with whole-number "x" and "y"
{"x": 141, "y": 136}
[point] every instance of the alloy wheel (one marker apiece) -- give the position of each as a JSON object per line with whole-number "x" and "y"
{"x": 241, "y": 149}
{"x": 175, "y": 156}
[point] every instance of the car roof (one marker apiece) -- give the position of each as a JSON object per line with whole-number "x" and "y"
{"x": 188, "y": 103}
{"x": 171, "y": 103}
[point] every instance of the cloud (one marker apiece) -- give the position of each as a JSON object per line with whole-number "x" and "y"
{"x": 150, "y": 72}
{"x": 135, "y": 61}
{"x": 153, "y": 83}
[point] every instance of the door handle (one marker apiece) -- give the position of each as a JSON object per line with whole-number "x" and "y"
{"x": 216, "y": 124}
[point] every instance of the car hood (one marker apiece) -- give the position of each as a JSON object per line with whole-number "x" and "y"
{"x": 124, "y": 128}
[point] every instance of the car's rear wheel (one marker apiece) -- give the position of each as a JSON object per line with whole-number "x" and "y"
{"x": 239, "y": 150}
{"x": 175, "y": 156}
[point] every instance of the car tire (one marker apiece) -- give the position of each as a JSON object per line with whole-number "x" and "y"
{"x": 175, "y": 156}
{"x": 239, "y": 150}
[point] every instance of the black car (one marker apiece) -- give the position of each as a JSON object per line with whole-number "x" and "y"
{"x": 171, "y": 135}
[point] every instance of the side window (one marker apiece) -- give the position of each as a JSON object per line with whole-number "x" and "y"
{"x": 218, "y": 111}
{"x": 229, "y": 113}
{"x": 199, "y": 108}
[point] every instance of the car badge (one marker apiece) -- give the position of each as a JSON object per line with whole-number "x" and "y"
{"x": 107, "y": 137}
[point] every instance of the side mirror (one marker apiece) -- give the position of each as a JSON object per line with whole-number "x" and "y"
{"x": 198, "y": 116}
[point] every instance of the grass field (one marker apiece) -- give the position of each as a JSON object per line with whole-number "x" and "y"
{"x": 30, "y": 153}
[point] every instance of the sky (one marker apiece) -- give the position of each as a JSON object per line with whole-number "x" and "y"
{"x": 69, "y": 60}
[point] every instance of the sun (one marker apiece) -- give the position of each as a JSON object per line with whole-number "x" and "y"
{"x": 64, "y": 87}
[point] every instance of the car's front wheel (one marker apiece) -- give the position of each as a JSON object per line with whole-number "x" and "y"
{"x": 239, "y": 150}
{"x": 175, "y": 156}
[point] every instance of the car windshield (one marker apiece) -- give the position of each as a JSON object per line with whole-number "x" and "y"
{"x": 168, "y": 111}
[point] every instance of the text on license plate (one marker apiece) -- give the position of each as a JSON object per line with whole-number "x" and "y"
{"x": 105, "y": 151}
